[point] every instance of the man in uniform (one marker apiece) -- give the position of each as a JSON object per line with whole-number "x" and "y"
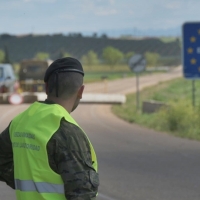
{"x": 44, "y": 153}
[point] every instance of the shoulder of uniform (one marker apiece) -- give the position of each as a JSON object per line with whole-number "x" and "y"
{"x": 69, "y": 137}
{"x": 69, "y": 131}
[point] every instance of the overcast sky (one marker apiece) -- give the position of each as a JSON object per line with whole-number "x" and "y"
{"x": 87, "y": 16}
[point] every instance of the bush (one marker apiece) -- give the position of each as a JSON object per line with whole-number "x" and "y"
{"x": 180, "y": 118}
{"x": 90, "y": 58}
{"x": 42, "y": 56}
{"x": 112, "y": 56}
{"x": 169, "y": 61}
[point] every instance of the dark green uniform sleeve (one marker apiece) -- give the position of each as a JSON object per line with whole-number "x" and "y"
{"x": 6, "y": 159}
{"x": 69, "y": 156}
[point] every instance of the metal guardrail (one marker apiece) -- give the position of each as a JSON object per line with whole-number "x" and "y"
{"x": 30, "y": 97}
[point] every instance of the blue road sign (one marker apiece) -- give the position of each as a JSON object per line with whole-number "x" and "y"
{"x": 191, "y": 50}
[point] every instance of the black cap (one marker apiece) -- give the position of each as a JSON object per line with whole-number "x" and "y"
{"x": 67, "y": 64}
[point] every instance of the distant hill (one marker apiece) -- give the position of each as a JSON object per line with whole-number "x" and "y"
{"x": 25, "y": 47}
{"x": 161, "y": 32}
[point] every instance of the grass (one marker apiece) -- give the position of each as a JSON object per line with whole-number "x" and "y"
{"x": 180, "y": 118}
{"x": 98, "y": 76}
{"x": 99, "y": 72}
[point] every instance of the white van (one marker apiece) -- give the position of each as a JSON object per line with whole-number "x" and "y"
{"x": 7, "y": 78}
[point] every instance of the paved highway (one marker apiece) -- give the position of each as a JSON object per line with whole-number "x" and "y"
{"x": 134, "y": 163}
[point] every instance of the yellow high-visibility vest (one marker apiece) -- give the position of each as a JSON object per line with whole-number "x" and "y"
{"x": 30, "y": 132}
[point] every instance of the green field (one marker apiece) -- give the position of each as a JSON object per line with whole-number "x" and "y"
{"x": 180, "y": 118}
{"x": 99, "y": 76}
{"x": 101, "y": 72}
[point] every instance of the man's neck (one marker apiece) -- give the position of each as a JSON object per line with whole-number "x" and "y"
{"x": 67, "y": 104}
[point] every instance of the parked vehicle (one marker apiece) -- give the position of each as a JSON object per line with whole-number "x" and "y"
{"x": 31, "y": 75}
{"x": 7, "y": 78}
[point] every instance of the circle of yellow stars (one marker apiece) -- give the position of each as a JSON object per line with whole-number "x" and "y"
{"x": 190, "y": 50}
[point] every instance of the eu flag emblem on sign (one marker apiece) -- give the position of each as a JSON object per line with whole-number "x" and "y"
{"x": 191, "y": 50}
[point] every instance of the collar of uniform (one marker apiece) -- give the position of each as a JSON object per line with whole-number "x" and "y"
{"x": 47, "y": 101}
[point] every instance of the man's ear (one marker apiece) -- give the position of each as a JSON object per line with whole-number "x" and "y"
{"x": 80, "y": 92}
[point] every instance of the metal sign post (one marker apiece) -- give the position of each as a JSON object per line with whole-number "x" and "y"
{"x": 193, "y": 93}
{"x": 191, "y": 53}
{"x": 137, "y": 91}
{"x": 137, "y": 64}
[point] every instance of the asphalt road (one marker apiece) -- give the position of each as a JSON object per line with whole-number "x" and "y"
{"x": 134, "y": 163}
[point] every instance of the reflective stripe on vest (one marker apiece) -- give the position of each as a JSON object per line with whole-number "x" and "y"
{"x": 40, "y": 187}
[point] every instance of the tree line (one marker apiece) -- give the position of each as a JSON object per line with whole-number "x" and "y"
{"x": 27, "y": 46}
{"x": 111, "y": 56}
